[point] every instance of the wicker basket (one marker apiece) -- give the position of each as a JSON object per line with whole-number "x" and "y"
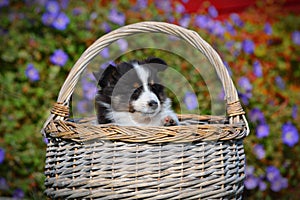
{"x": 198, "y": 161}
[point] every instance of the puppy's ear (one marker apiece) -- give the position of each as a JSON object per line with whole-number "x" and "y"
{"x": 161, "y": 64}
{"x": 106, "y": 76}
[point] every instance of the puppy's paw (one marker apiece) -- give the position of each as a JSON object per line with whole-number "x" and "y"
{"x": 171, "y": 121}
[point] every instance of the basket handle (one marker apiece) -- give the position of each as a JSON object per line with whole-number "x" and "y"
{"x": 234, "y": 108}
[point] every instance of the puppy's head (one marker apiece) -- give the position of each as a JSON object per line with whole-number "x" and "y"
{"x": 134, "y": 86}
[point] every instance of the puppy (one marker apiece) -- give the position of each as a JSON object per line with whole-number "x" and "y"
{"x": 130, "y": 94}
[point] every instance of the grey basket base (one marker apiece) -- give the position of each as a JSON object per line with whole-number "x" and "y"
{"x": 119, "y": 170}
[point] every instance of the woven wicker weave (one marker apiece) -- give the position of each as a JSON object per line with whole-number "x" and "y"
{"x": 197, "y": 161}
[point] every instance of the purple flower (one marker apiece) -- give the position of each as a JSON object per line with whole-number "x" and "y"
{"x": 202, "y": 21}
{"x": 185, "y": 20}
{"x": 105, "y": 52}
{"x": 179, "y": 8}
{"x": 116, "y": 17}
{"x": 272, "y": 173}
{"x": 278, "y": 184}
{"x": 3, "y": 184}
{"x": 245, "y": 83}
{"x": 59, "y": 57}
{"x": 123, "y": 45}
{"x": 290, "y": 135}
{"x": 251, "y": 182}
{"x": 236, "y": 20}
{"x": 48, "y": 18}
{"x": 105, "y": 27}
{"x": 262, "y": 185}
{"x": 190, "y": 100}
{"x": 2, "y": 155}
{"x": 77, "y": 11}
{"x": 64, "y": 3}
{"x": 294, "y": 111}
{"x": 248, "y": 46}
{"x": 52, "y": 7}
{"x": 163, "y": 5}
{"x": 45, "y": 140}
{"x": 89, "y": 90}
{"x": 249, "y": 170}
{"x": 257, "y": 70}
{"x": 262, "y": 130}
{"x": 32, "y": 73}
{"x": 268, "y": 28}
{"x": 141, "y": 4}
{"x": 212, "y": 11}
{"x": 259, "y": 151}
{"x": 230, "y": 28}
{"x": 218, "y": 29}
{"x": 296, "y": 37}
{"x": 245, "y": 97}
{"x": 18, "y": 194}
{"x": 4, "y": 3}
{"x": 82, "y": 106}
{"x": 256, "y": 115}
{"x": 61, "y": 21}
{"x": 279, "y": 82}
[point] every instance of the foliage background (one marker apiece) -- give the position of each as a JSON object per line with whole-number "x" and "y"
{"x": 42, "y": 39}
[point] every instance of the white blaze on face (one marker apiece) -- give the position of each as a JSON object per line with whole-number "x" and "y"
{"x": 142, "y": 103}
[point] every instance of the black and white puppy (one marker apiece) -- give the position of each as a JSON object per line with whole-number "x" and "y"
{"x": 130, "y": 94}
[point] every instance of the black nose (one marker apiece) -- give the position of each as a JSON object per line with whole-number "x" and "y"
{"x": 153, "y": 104}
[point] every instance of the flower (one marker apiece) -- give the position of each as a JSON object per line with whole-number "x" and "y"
{"x": 123, "y": 45}
{"x": 262, "y": 186}
{"x": 18, "y": 194}
{"x": 185, "y": 20}
{"x": 190, "y": 100}
{"x": 82, "y": 106}
{"x": 59, "y": 57}
{"x": 105, "y": 27}
{"x": 245, "y": 83}
{"x": 268, "y": 28}
{"x": 202, "y": 21}
{"x": 45, "y": 140}
{"x": 116, "y": 17}
{"x": 61, "y": 21}
{"x": 2, "y": 155}
{"x": 212, "y": 11}
{"x": 256, "y": 115}
{"x": 272, "y": 173}
{"x": 105, "y": 52}
{"x": 290, "y": 135}
{"x": 294, "y": 111}
{"x": 52, "y": 7}
{"x": 257, "y": 70}
{"x": 141, "y": 4}
{"x": 296, "y": 37}
{"x": 236, "y": 20}
{"x": 4, "y": 3}
{"x": 230, "y": 28}
{"x": 278, "y": 184}
{"x": 259, "y": 151}
{"x": 279, "y": 82}
{"x": 248, "y": 46}
{"x": 48, "y": 18}
{"x": 179, "y": 8}
{"x": 32, "y": 73}
{"x": 262, "y": 130}
{"x": 89, "y": 90}
{"x": 163, "y": 5}
{"x": 3, "y": 184}
{"x": 251, "y": 182}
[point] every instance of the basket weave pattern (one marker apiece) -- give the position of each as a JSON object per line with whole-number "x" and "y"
{"x": 197, "y": 161}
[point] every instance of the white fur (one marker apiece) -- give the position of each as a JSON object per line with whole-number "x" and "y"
{"x": 142, "y": 119}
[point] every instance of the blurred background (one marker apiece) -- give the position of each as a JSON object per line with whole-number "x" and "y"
{"x": 259, "y": 42}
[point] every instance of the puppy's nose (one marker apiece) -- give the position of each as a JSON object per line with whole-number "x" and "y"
{"x": 153, "y": 104}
